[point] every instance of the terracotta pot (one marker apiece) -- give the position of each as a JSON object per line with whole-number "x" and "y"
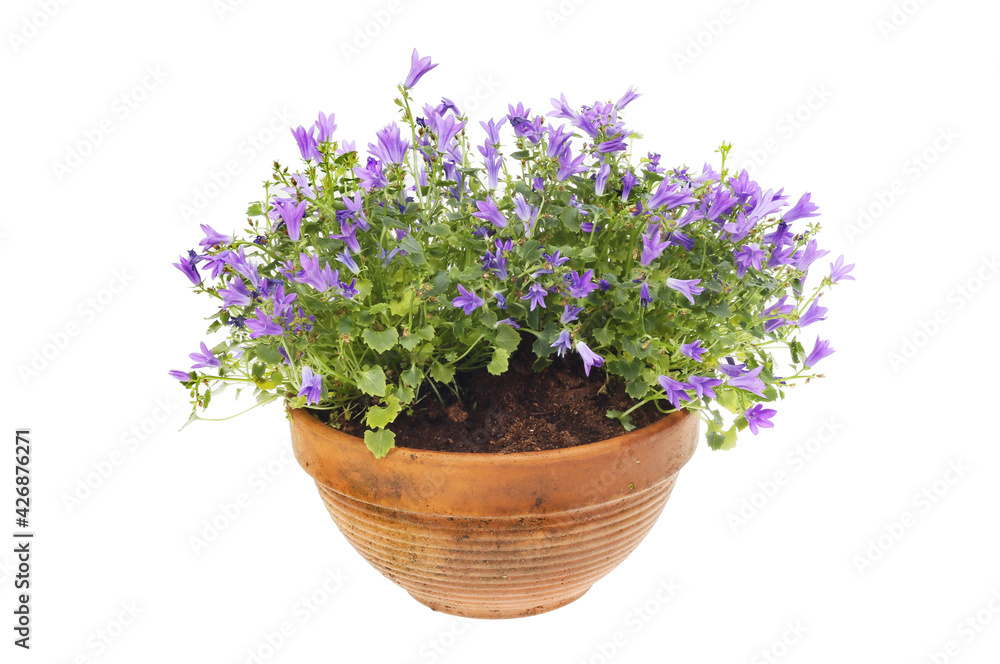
{"x": 496, "y": 535}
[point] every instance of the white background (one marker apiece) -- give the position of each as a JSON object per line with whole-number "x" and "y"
{"x": 878, "y": 106}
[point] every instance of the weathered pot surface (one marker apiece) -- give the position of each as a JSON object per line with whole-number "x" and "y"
{"x": 496, "y": 535}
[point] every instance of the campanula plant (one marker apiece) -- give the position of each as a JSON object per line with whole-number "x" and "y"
{"x": 366, "y": 278}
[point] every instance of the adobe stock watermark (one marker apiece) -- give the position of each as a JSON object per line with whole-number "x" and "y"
{"x": 712, "y": 29}
{"x": 122, "y": 106}
{"x": 787, "y": 126}
{"x": 86, "y": 312}
{"x": 779, "y": 648}
{"x": 485, "y": 88}
{"x": 912, "y": 343}
{"x": 32, "y": 24}
{"x": 223, "y": 8}
{"x": 436, "y": 646}
{"x": 249, "y": 148}
{"x": 899, "y": 15}
{"x": 130, "y": 441}
{"x": 968, "y": 630}
{"x": 301, "y": 612}
{"x": 561, "y": 12}
{"x": 377, "y": 22}
{"x": 103, "y": 638}
{"x": 634, "y": 621}
{"x": 913, "y": 168}
{"x": 921, "y": 503}
{"x": 795, "y": 462}
{"x": 229, "y": 511}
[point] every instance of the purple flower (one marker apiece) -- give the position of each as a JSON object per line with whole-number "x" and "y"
{"x": 581, "y": 285}
{"x": 391, "y": 146}
{"x": 215, "y": 264}
{"x": 804, "y": 208}
{"x": 292, "y": 215}
{"x": 488, "y": 211}
{"x": 644, "y": 296}
{"x": 187, "y": 266}
{"x": 282, "y": 302}
{"x": 236, "y": 295}
{"x": 325, "y": 126}
{"x": 468, "y": 301}
{"x": 213, "y": 237}
{"x": 501, "y": 300}
{"x": 758, "y": 417}
{"x": 239, "y": 262}
{"x": 740, "y": 228}
{"x": 418, "y": 67}
{"x": 604, "y": 285}
{"x": 779, "y": 308}
{"x": 730, "y": 369}
{"x": 764, "y": 204}
{"x": 555, "y": 259}
{"x": 570, "y": 314}
{"x": 262, "y": 325}
{"x": 702, "y": 386}
{"x": 628, "y": 181}
{"x": 820, "y": 350}
{"x": 675, "y": 390}
{"x": 721, "y": 201}
{"x": 679, "y": 239}
{"x": 527, "y": 213}
{"x": 349, "y": 235}
{"x": 601, "y": 180}
{"x": 841, "y": 272}
{"x": 205, "y": 358}
{"x": 508, "y": 321}
{"x": 749, "y": 382}
{"x": 570, "y": 166}
{"x": 371, "y": 175}
{"x": 493, "y": 162}
{"x": 652, "y": 247}
{"x": 589, "y": 357}
{"x": 627, "y": 98}
{"x": 348, "y": 290}
{"x": 669, "y": 196}
{"x": 182, "y": 376}
{"x": 312, "y": 386}
{"x": 653, "y": 165}
{"x": 536, "y": 294}
{"x": 810, "y": 254}
{"x": 813, "y": 314}
{"x": 746, "y": 256}
{"x": 562, "y": 343}
{"x": 307, "y": 144}
{"x": 311, "y": 275}
{"x": 686, "y": 287}
{"x": 559, "y": 142}
{"x": 694, "y": 350}
{"x": 345, "y": 258}
{"x": 616, "y": 144}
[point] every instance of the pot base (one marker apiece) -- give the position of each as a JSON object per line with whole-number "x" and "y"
{"x": 489, "y": 611}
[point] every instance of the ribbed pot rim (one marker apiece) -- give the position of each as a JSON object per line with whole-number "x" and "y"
{"x": 495, "y": 484}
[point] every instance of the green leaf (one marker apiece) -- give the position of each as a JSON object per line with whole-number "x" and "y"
{"x": 409, "y": 342}
{"x": 269, "y": 353}
{"x": 403, "y": 305}
{"x": 380, "y": 442}
{"x": 378, "y": 417}
{"x": 636, "y": 389}
{"x": 442, "y": 373}
{"x": 488, "y": 318}
{"x": 721, "y": 310}
{"x": 255, "y": 210}
{"x": 626, "y": 420}
{"x": 520, "y": 154}
{"x": 410, "y": 245}
{"x": 372, "y": 382}
{"x": 413, "y": 376}
{"x": 507, "y": 338}
{"x": 426, "y": 332}
{"x": 382, "y": 341}
{"x": 498, "y": 364}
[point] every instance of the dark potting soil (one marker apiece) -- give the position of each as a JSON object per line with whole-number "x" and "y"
{"x": 519, "y": 411}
